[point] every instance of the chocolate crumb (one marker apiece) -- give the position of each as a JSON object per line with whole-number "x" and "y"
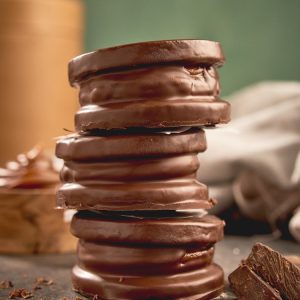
{"x": 26, "y": 294}
{"x": 5, "y": 284}
{"x": 213, "y": 201}
{"x": 43, "y": 281}
{"x": 20, "y": 293}
{"x": 36, "y": 287}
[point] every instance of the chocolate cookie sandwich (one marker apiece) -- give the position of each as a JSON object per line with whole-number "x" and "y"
{"x": 131, "y": 168}
{"x": 132, "y": 256}
{"x": 150, "y": 171}
{"x": 151, "y": 84}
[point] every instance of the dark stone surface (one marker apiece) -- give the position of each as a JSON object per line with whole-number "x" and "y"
{"x": 22, "y": 271}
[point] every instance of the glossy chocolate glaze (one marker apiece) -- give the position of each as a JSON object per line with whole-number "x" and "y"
{"x": 162, "y": 195}
{"x": 139, "y": 260}
{"x": 153, "y": 113}
{"x": 175, "y": 230}
{"x": 205, "y": 283}
{"x": 170, "y": 84}
{"x": 190, "y": 52}
{"x": 134, "y": 255}
{"x": 165, "y": 83}
{"x": 125, "y": 145}
{"x": 152, "y": 168}
{"x": 123, "y": 172}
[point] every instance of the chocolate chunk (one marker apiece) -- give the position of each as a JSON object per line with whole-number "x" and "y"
{"x": 266, "y": 274}
{"x": 273, "y": 268}
{"x": 249, "y": 286}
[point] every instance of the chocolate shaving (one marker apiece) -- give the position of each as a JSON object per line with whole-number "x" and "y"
{"x": 5, "y": 284}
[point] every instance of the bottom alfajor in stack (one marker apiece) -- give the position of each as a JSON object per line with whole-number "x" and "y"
{"x": 134, "y": 243}
{"x": 147, "y": 256}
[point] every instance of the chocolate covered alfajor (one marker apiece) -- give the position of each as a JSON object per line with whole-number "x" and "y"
{"x": 130, "y": 171}
{"x": 165, "y": 256}
{"x": 142, "y": 171}
{"x": 151, "y": 84}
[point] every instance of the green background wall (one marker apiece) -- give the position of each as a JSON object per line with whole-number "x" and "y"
{"x": 260, "y": 38}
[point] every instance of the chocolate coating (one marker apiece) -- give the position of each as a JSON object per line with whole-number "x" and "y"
{"x": 163, "y": 195}
{"x": 165, "y": 82}
{"x": 139, "y": 260}
{"x": 183, "y": 229}
{"x": 154, "y": 85}
{"x": 142, "y": 144}
{"x": 205, "y": 283}
{"x": 153, "y": 113}
{"x": 132, "y": 172}
{"x": 146, "y": 53}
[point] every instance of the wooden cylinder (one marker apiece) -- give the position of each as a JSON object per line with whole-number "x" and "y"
{"x": 37, "y": 39}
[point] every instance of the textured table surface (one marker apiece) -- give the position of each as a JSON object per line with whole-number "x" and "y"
{"x": 22, "y": 271}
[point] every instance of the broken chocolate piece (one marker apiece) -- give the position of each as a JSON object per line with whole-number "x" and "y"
{"x": 248, "y": 286}
{"x": 272, "y": 267}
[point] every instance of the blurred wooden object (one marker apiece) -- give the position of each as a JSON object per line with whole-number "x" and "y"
{"x": 30, "y": 224}
{"x": 37, "y": 39}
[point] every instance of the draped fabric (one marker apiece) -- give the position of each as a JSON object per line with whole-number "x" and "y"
{"x": 255, "y": 161}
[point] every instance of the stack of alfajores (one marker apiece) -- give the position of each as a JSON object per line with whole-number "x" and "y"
{"x": 130, "y": 171}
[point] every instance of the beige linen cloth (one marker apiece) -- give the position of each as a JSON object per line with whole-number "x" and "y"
{"x": 255, "y": 160}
